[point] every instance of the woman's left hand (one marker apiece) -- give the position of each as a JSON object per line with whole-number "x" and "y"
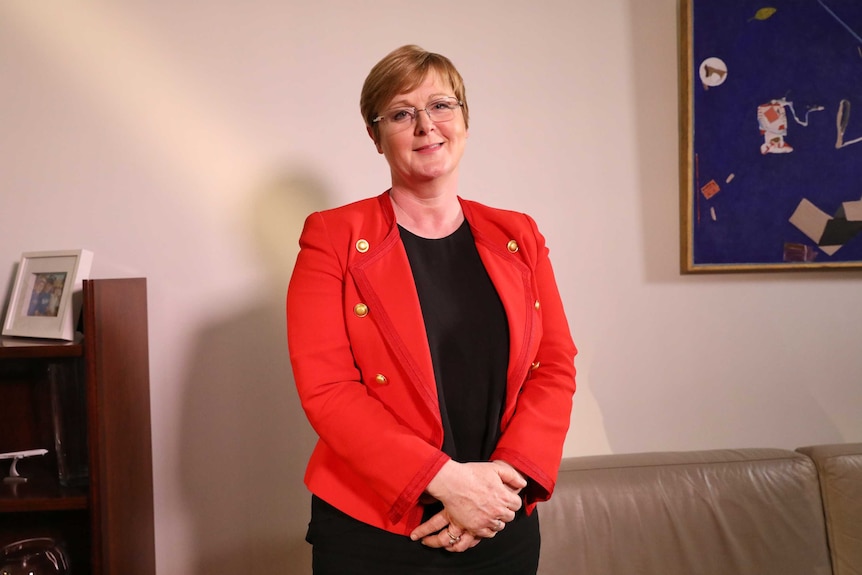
{"x": 439, "y": 532}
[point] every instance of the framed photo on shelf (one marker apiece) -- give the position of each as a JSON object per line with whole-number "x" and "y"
{"x": 770, "y": 155}
{"x": 46, "y": 297}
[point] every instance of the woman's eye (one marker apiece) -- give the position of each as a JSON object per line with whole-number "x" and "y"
{"x": 441, "y": 105}
{"x": 400, "y": 115}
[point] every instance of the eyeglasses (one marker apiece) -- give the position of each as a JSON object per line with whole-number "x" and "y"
{"x": 440, "y": 110}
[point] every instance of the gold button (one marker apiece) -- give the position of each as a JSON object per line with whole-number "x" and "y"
{"x": 535, "y": 365}
{"x": 381, "y": 379}
{"x": 360, "y": 309}
{"x": 512, "y": 246}
{"x": 362, "y": 246}
{"x": 537, "y": 305}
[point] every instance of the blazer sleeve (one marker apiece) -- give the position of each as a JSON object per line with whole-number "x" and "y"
{"x": 366, "y": 436}
{"x": 533, "y": 439}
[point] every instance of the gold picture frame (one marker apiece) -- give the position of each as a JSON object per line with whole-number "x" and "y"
{"x": 769, "y": 161}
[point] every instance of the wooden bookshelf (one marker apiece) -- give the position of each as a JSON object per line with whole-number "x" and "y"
{"x": 92, "y": 394}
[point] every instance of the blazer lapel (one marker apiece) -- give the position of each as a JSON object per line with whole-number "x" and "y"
{"x": 511, "y": 277}
{"x": 385, "y": 282}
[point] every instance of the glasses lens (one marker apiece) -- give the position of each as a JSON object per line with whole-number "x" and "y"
{"x": 400, "y": 116}
{"x": 442, "y": 110}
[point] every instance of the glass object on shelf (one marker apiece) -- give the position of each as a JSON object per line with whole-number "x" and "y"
{"x": 37, "y": 556}
{"x": 69, "y": 413}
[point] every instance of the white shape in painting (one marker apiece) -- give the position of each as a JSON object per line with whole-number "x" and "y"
{"x": 772, "y": 120}
{"x": 713, "y": 72}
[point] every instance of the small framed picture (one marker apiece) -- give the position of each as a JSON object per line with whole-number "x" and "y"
{"x": 46, "y": 297}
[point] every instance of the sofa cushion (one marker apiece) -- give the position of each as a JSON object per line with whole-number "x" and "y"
{"x": 840, "y": 469}
{"x": 740, "y": 512}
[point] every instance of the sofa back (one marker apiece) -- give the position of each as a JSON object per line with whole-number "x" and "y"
{"x": 721, "y": 512}
{"x": 840, "y": 470}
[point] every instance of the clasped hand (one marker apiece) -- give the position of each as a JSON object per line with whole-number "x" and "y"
{"x": 479, "y": 499}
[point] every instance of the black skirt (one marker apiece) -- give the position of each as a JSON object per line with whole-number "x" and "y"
{"x": 344, "y": 546}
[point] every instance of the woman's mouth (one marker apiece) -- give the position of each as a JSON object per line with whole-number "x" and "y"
{"x": 429, "y": 147}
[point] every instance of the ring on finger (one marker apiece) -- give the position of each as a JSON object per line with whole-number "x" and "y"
{"x": 452, "y": 539}
{"x": 498, "y": 525}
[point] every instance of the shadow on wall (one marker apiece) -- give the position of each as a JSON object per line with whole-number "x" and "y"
{"x": 245, "y": 440}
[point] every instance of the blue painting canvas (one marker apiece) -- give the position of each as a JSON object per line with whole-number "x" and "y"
{"x": 774, "y": 152}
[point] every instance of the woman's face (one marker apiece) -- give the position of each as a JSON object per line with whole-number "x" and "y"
{"x": 426, "y": 150}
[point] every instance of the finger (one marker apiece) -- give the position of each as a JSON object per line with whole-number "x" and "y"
{"x": 496, "y": 526}
{"x": 507, "y": 516}
{"x": 433, "y": 525}
{"x": 510, "y": 476}
{"x": 472, "y": 538}
{"x": 437, "y": 540}
{"x": 448, "y": 537}
{"x": 512, "y": 502}
{"x": 486, "y": 533}
{"x": 467, "y": 541}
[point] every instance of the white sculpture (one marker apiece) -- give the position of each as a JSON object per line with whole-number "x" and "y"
{"x": 15, "y": 456}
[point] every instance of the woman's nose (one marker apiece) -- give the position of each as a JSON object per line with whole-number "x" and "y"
{"x": 424, "y": 124}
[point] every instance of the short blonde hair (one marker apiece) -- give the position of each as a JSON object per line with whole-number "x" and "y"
{"x": 403, "y": 70}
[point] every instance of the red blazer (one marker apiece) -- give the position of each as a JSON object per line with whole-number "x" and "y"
{"x": 363, "y": 370}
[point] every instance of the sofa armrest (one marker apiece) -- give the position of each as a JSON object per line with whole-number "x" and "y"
{"x": 839, "y": 467}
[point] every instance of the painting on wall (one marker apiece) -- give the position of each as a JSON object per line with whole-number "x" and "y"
{"x": 771, "y": 151}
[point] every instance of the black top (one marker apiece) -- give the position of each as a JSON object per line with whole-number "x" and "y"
{"x": 468, "y": 336}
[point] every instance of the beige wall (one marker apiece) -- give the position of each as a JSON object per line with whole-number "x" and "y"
{"x": 186, "y": 140}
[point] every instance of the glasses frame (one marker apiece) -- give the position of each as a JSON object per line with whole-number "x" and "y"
{"x": 415, "y": 113}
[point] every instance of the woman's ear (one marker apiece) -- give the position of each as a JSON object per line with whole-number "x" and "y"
{"x": 371, "y": 135}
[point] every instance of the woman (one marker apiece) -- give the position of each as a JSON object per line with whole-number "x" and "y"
{"x": 431, "y": 353}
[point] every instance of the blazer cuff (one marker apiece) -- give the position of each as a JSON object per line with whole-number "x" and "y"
{"x": 410, "y": 496}
{"x": 540, "y": 485}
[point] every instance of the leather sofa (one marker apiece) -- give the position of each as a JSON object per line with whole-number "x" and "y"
{"x": 720, "y": 512}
